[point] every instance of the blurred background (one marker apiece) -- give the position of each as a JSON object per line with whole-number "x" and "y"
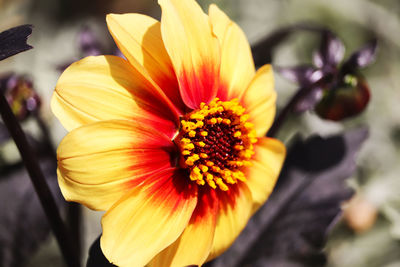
{"x": 369, "y": 232}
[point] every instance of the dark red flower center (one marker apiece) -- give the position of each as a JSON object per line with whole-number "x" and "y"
{"x": 216, "y": 142}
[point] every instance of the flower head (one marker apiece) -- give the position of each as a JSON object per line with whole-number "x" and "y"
{"x": 170, "y": 142}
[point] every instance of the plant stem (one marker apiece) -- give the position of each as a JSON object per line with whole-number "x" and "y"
{"x": 45, "y": 136}
{"x": 73, "y": 210}
{"x": 301, "y": 92}
{"x": 74, "y": 219}
{"x": 38, "y": 180}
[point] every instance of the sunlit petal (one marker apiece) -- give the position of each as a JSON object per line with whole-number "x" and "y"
{"x": 139, "y": 38}
{"x": 237, "y": 66}
{"x": 147, "y": 220}
{"x": 259, "y": 100}
{"x": 194, "y": 245}
{"x": 193, "y": 50}
{"x": 267, "y": 163}
{"x": 233, "y": 213}
{"x": 98, "y": 163}
{"x": 106, "y": 88}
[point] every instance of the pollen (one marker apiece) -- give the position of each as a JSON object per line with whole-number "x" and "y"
{"x": 204, "y": 133}
{"x": 237, "y": 134}
{"x": 192, "y": 133}
{"x": 216, "y": 144}
{"x": 201, "y": 144}
{"x": 203, "y": 156}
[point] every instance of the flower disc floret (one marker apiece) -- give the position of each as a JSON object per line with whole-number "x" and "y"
{"x": 216, "y": 142}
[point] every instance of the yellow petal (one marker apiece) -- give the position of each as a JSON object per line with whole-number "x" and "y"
{"x": 139, "y": 39}
{"x": 194, "y": 245}
{"x": 259, "y": 100}
{"x": 106, "y": 88}
{"x": 193, "y": 50}
{"x": 267, "y": 164}
{"x": 99, "y": 162}
{"x": 235, "y": 208}
{"x": 147, "y": 220}
{"x": 237, "y": 66}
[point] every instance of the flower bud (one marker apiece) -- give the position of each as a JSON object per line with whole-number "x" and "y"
{"x": 348, "y": 99}
{"x": 360, "y": 214}
{"x": 21, "y": 96}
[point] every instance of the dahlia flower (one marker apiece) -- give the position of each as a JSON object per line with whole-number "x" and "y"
{"x": 169, "y": 141}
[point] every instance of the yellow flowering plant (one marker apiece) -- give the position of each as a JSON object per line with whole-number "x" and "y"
{"x": 170, "y": 141}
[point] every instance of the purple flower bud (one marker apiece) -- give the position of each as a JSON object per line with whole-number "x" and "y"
{"x": 20, "y": 95}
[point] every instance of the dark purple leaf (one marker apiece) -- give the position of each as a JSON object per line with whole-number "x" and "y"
{"x": 307, "y": 77}
{"x": 290, "y": 230}
{"x": 96, "y": 256}
{"x": 23, "y": 224}
{"x": 13, "y": 41}
{"x": 331, "y": 51}
{"x": 309, "y": 101}
{"x": 303, "y": 75}
{"x": 361, "y": 58}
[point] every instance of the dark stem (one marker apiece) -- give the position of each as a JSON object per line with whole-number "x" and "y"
{"x": 278, "y": 210}
{"x": 73, "y": 216}
{"x": 74, "y": 219}
{"x": 39, "y": 183}
{"x": 45, "y": 136}
{"x": 286, "y": 110}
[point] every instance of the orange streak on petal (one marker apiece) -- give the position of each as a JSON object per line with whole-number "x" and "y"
{"x": 235, "y": 206}
{"x": 197, "y": 237}
{"x": 237, "y": 66}
{"x": 96, "y": 160}
{"x": 193, "y": 49}
{"x": 223, "y": 91}
{"x": 148, "y": 219}
{"x": 161, "y": 125}
{"x": 150, "y": 163}
{"x": 139, "y": 38}
{"x": 206, "y": 207}
{"x": 105, "y": 88}
{"x": 198, "y": 86}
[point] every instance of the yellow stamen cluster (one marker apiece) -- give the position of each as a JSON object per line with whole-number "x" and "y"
{"x": 216, "y": 142}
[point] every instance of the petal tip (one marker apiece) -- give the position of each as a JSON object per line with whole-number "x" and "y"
{"x": 103, "y": 248}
